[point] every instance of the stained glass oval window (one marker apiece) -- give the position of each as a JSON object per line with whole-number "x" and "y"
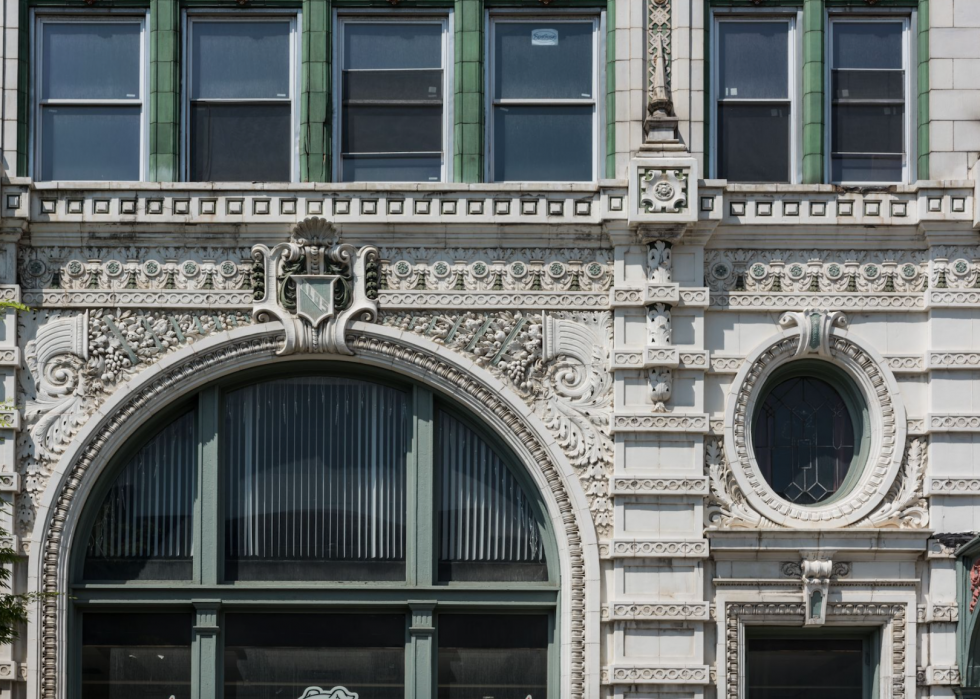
{"x": 805, "y": 438}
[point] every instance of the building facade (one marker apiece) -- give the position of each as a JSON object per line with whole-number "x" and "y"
{"x": 491, "y": 349}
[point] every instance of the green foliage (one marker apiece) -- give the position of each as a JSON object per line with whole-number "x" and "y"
{"x": 15, "y": 305}
{"x": 13, "y": 606}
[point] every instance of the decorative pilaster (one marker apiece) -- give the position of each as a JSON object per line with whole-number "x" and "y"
{"x": 422, "y": 636}
{"x": 663, "y": 185}
{"x": 204, "y": 649}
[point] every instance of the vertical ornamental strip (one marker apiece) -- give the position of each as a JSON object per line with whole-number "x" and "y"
{"x": 813, "y": 91}
{"x": 659, "y": 334}
{"x": 468, "y": 91}
{"x": 315, "y": 123}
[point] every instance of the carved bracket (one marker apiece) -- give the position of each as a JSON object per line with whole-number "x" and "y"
{"x": 315, "y": 308}
{"x": 815, "y": 328}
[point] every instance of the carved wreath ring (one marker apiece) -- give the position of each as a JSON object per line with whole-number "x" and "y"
{"x": 880, "y": 393}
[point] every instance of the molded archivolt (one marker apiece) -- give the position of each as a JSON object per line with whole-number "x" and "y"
{"x": 822, "y": 336}
{"x": 220, "y": 355}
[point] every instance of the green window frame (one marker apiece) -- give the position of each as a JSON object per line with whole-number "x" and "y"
{"x": 421, "y": 597}
{"x": 813, "y": 74}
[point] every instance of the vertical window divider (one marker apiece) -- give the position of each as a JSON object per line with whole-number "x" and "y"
{"x": 206, "y": 676}
{"x": 420, "y": 519}
{"x": 420, "y": 660}
{"x": 207, "y": 512}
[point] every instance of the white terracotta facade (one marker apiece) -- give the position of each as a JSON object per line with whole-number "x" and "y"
{"x": 614, "y": 335}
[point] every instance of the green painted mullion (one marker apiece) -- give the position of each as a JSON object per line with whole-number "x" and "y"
{"x": 164, "y": 91}
{"x": 420, "y": 662}
{"x": 813, "y": 91}
{"x": 923, "y": 116}
{"x": 207, "y": 508}
{"x": 513, "y": 596}
{"x": 315, "y": 117}
{"x": 205, "y": 653}
{"x": 611, "y": 89}
{"x": 468, "y": 97}
{"x": 421, "y": 523}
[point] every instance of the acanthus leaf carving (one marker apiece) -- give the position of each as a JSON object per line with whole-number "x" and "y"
{"x": 56, "y": 359}
{"x": 727, "y": 507}
{"x": 905, "y": 505}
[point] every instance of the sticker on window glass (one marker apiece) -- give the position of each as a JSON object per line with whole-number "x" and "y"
{"x": 544, "y": 37}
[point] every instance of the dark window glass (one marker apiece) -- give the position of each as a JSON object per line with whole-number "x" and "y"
{"x": 392, "y": 46}
{"x": 504, "y": 656}
{"x": 144, "y": 528}
{"x": 543, "y": 60}
{"x": 868, "y": 129}
{"x": 754, "y": 110}
{"x": 804, "y": 440}
{"x": 233, "y": 137}
{"x": 487, "y": 528}
{"x": 240, "y": 142}
{"x": 314, "y": 474}
{"x": 868, "y": 45}
{"x": 754, "y": 60}
{"x": 795, "y": 668}
{"x": 868, "y": 119}
{"x": 276, "y": 656}
{"x": 753, "y": 142}
{"x": 90, "y": 143}
{"x": 240, "y": 60}
{"x": 394, "y": 168}
{"x": 125, "y": 655}
{"x": 393, "y": 105}
{"x": 90, "y": 61}
{"x": 403, "y": 129}
{"x": 541, "y": 143}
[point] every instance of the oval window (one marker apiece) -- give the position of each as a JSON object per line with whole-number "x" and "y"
{"x": 806, "y": 436}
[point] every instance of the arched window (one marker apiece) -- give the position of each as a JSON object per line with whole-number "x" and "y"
{"x": 315, "y": 531}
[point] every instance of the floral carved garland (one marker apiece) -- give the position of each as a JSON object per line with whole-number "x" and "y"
{"x": 266, "y": 346}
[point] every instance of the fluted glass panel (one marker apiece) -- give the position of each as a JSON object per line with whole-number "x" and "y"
{"x": 314, "y": 480}
{"x": 144, "y": 527}
{"x": 487, "y": 527}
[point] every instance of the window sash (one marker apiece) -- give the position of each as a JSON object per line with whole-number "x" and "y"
{"x": 832, "y": 101}
{"x": 494, "y": 103}
{"x": 293, "y": 18}
{"x": 344, "y": 157}
{"x": 38, "y": 19}
{"x": 792, "y": 99}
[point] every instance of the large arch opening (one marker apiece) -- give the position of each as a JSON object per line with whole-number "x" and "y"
{"x": 320, "y": 527}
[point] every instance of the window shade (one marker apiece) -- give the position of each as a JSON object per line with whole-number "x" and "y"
{"x": 144, "y": 529}
{"x": 314, "y": 478}
{"x": 487, "y": 527}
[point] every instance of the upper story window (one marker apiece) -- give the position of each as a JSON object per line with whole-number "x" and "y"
{"x": 543, "y": 124}
{"x": 869, "y": 131}
{"x": 90, "y": 86}
{"x": 240, "y": 92}
{"x": 394, "y": 84}
{"x": 754, "y": 88}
